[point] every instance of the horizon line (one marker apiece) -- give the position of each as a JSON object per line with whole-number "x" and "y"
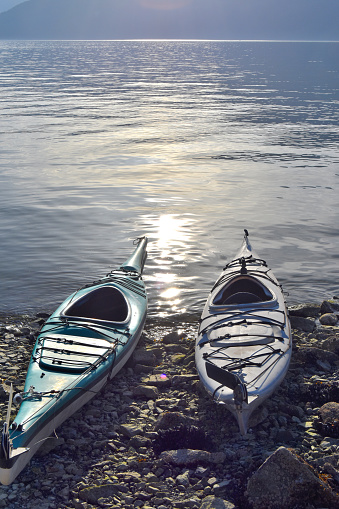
{"x": 177, "y": 40}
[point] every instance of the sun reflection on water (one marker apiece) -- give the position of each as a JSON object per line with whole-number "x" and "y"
{"x": 168, "y": 253}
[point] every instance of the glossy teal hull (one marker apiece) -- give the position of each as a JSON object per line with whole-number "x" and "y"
{"x": 83, "y": 344}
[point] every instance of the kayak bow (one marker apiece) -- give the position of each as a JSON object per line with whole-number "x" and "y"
{"x": 82, "y": 345}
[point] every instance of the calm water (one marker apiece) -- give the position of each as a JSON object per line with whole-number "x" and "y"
{"x": 187, "y": 142}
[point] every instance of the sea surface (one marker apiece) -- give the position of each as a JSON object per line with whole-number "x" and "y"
{"x": 187, "y": 142}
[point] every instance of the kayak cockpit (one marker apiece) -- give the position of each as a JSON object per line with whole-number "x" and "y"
{"x": 242, "y": 290}
{"x": 106, "y": 303}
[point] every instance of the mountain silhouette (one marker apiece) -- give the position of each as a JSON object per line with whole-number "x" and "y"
{"x": 173, "y": 19}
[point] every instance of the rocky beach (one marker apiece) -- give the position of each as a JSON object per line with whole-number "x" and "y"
{"x": 154, "y": 439}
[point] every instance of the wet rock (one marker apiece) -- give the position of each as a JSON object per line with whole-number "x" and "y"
{"x": 186, "y": 457}
{"x": 311, "y": 355}
{"x": 283, "y": 481}
{"x": 329, "y": 306}
{"x": 305, "y": 310}
{"x": 304, "y": 324}
{"x": 328, "y": 319}
{"x": 212, "y": 502}
{"x": 173, "y": 337}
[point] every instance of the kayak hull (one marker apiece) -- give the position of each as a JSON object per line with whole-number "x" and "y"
{"x": 82, "y": 345}
{"x": 243, "y": 346}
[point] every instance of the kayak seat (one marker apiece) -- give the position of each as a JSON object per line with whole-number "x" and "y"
{"x": 243, "y": 290}
{"x": 105, "y": 303}
{"x": 242, "y": 298}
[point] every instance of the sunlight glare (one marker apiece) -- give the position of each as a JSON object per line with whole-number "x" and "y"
{"x": 166, "y": 5}
{"x": 171, "y": 231}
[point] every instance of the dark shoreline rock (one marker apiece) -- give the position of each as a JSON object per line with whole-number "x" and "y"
{"x": 117, "y": 451}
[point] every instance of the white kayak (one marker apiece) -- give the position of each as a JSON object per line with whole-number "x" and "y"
{"x": 244, "y": 342}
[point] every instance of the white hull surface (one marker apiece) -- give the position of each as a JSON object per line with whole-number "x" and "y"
{"x": 244, "y": 344}
{"x": 83, "y": 344}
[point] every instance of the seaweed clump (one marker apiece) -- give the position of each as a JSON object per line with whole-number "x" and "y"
{"x": 182, "y": 437}
{"x": 322, "y": 392}
{"x": 327, "y": 429}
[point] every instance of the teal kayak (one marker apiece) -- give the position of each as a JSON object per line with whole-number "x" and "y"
{"x": 82, "y": 345}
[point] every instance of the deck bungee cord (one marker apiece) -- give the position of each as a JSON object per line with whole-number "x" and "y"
{"x": 231, "y": 315}
{"x": 74, "y": 323}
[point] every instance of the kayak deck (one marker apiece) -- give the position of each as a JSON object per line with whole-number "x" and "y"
{"x": 243, "y": 345}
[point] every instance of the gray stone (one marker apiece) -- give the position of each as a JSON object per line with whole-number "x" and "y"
{"x": 138, "y": 441}
{"x": 333, "y": 459}
{"x": 142, "y": 369}
{"x": 178, "y": 358}
{"x": 304, "y": 324}
{"x": 259, "y": 415}
{"x": 183, "y": 457}
{"x": 183, "y": 479}
{"x": 329, "y": 412}
{"x": 220, "y": 488}
{"x": 148, "y": 391}
{"x": 130, "y": 430}
{"x": 144, "y": 357}
{"x": 171, "y": 419}
{"x": 331, "y": 344}
{"x": 283, "y": 481}
{"x": 329, "y": 306}
{"x": 160, "y": 380}
{"x": 328, "y": 319}
{"x": 92, "y": 494}
{"x": 172, "y": 337}
{"x": 183, "y": 379}
{"x": 187, "y": 503}
{"x": 284, "y": 436}
{"x": 212, "y": 502}
{"x": 176, "y": 348}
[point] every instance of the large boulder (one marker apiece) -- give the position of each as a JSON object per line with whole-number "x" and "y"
{"x": 285, "y": 481}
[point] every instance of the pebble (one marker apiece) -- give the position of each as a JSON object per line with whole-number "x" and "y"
{"x": 124, "y": 449}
